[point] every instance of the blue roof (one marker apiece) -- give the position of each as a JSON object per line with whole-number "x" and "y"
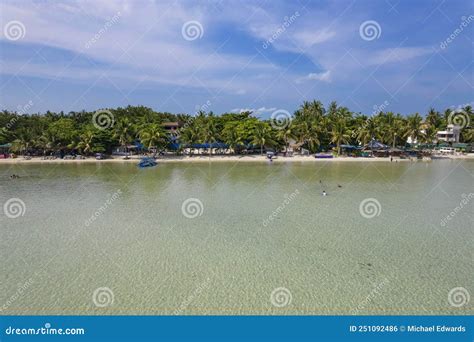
{"x": 213, "y": 145}
{"x": 376, "y": 145}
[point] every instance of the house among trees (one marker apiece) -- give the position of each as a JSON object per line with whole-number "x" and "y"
{"x": 450, "y": 135}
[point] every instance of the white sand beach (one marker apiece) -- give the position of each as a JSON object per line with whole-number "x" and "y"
{"x": 219, "y": 158}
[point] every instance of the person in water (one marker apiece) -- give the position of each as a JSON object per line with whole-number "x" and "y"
{"x": 324, "y": 193}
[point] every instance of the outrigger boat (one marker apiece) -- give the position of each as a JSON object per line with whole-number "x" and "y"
{"x": 147, "y": 162}
{"x": 323, "y": 156}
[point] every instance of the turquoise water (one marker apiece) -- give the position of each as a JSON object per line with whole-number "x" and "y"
{"x": 261, "y": 227}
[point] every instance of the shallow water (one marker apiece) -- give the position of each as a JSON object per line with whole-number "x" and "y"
{"x": 232, "y": 256}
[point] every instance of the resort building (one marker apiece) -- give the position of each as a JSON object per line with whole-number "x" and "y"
{"x": 451, "y": 134}
{"x": 172, "y": 127}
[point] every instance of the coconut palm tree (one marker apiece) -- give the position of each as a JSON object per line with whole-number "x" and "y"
{"x": 413, "y": 127}
{"x": 433, "y": 118}
{"x": 285, "y": 134}
{"x": 124, "y": 132}
{"x": 190, "y": 134}
{"x": 231, "y": 135}
{"x": 340, "y": 133}
{"x": 22, "y": 142}
{"x": 48, "y": 141}
{"x": 262, "y": 135}
{"x": 430, "y": 135}
{"x": 367, "y": 131}
{"x": 153, "y": 135}
{"x": 307, "y": 132}
{"x": 84, "y": 145}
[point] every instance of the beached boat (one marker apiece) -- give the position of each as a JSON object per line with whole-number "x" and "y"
{"x": 147, "y": 162}
{"x": 323, "y": 156}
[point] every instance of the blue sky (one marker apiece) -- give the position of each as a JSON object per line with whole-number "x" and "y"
{"x": 258, "y": 55}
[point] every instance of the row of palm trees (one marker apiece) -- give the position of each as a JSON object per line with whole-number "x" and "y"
{"x": 311, "y": 126}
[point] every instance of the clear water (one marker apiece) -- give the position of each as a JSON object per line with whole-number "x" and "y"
{"x": 230, "y": 259}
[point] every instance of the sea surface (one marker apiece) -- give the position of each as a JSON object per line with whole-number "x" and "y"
{"x": 237, "y": 238}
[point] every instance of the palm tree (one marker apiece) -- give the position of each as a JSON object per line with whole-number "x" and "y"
{"x": 85, "y": 142}
{"x": 413, "y": 127}
{"x": 209, "y": 131}
{"x": 309, "y": 111}
{"x": 433, "y": 118}
{"x": 262, "y": 135}
{"x": 307, "y": 133}
{"x": 285, "y": 134}
{"x": 190, "y": 134}
{"x": 396, "y": 130}
{"x": 123, "y": 131}
{"x": 340, "y": 133}
{"x": 367, "y": 131}
{"x": 153, "y": 136}
{"x": 430, "y": 135}
{"x": 22, "y": 142}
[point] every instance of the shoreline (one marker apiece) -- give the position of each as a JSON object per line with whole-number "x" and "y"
{"x": 218, "y": 158}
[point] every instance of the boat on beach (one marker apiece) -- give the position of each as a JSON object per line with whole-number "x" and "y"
{"x": 323, "y": 156}
{"x": 147, "y": 162}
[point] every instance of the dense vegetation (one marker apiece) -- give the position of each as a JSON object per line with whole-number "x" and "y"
{"x": 312, "y": 126}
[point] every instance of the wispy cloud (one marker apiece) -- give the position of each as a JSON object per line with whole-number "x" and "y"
{"x": 255, "y": 111}
{"x": 399, "y": 54}
{"x": 316, "y": 76}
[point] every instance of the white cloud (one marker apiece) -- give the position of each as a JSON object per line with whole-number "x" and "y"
{"x": 309, "y": 38}
{"x": 151, "y": 48}
{"x": 399, "y": 54}
{"x": 261, "y": 110}
{"x": 314, "y": 76}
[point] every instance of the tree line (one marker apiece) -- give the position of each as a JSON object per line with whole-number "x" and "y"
{"x": 311, "y": 126}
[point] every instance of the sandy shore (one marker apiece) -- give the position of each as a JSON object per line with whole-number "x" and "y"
{"x": 220, "y": 158}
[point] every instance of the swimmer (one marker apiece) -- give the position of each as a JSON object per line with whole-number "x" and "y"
{"x": 324, "y": 193}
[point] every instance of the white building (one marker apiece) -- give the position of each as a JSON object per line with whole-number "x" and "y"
{"x": 451, "y": 134}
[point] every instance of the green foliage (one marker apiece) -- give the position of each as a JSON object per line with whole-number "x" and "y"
{"x": 312, "y": 127}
